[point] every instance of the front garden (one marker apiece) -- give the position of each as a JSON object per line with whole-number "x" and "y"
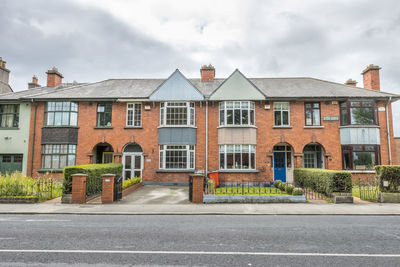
{"x": 14, "y": 187}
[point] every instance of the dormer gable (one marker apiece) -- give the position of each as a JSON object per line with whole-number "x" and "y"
{"x": 176, "y": 88}
{"x": 237, "y": 87}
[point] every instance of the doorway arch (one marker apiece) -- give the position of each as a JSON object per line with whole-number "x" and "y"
{"x": 283, "y": 162}
{"x": 132, "y": 161}
{"x": 103, "y": 153}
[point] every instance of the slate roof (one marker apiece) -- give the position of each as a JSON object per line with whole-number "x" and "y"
{"x": 278, "y": 88}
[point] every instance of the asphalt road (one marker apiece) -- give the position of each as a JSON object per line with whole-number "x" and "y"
{"x": 80, "y": 240}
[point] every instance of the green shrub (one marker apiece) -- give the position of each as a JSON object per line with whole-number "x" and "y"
{"x": 298, "y": 192}
{"x": 324, "y": 181}
{"x": 94, "y": 179}
{"x": 289, "y": 189}
{"x": 129, "y": 182}
{"x": 391, "y": 174}
{"x": 282, "y": 186}
{"x": 277, "y": 183}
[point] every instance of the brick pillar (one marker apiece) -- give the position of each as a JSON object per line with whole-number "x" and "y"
{"x": 107, "y": 193}
{"x": 198, "y": 184}
{"x": 79, "y": 188}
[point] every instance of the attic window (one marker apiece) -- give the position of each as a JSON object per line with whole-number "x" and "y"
{"x": 236, "y": 113}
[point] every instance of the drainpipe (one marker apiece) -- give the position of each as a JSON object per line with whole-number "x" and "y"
{"x": 388, "y": 130}
{"x": 206, "y": 171}
{"x": 33, "y": 136}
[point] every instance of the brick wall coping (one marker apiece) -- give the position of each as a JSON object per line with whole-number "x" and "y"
{"x": 79, "y": 174}
{"x": 359, "y": 171}
{"x": 239, "y": 171}
{"x": 186, "y": 170}
{"x": 108, "y": 175}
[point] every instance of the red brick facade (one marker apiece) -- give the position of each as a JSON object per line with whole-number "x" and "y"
{"x": 147, "y": 137}
{"x": 397, "y": 150}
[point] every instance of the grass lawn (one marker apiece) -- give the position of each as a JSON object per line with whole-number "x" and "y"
{"x": 365, "y": 192}
{"x": 256, "y": 191}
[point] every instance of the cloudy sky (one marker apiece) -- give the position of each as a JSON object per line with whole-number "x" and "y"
{"x": 92, "y": 40}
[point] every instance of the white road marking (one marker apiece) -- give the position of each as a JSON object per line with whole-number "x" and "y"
{"x": 304, "y": 254}
{"x": 33, "y": 220}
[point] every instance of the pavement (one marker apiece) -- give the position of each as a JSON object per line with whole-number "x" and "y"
{"x": 153, "y": 200}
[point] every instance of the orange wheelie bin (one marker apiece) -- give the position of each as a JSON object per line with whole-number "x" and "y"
{"x": 214, "y": 176}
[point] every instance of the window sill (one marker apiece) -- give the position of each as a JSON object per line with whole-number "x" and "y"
{"x": 360, "y": 126}
{"x": 314, "y": 127}
{"x": 237, "y": 126}
{"x": 176, "y": 170}
{"x": 103, "y": 127}
{"x": 10, "y": 128}
{"x": 282, "y": 127}
{"x": 133, "y": 127}
{"x": 360, "y": 171}
{"x": 49, "y": 170}
{"x": 60, "y": 126}
{"x": 239, "y": 171}
{"x": 177, "y": 126}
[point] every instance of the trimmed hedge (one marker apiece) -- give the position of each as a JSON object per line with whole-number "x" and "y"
{"x": 94, "y": 172}
{"x": 129, "y": 182}
{"x": 324, "y": 181}
{"x": 390, "y": 173}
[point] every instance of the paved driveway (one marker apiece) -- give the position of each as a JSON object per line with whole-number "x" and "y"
{"x": 154, "y": 194}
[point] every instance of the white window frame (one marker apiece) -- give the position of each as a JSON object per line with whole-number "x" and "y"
{"x": 190, "y": 152}
{"x": 190, "y": 113}
{"x": 281, "y": 111}
{"x": 250, "y": 108}
{"x": 251, "y": 150}
{"x": 133, "y": 109}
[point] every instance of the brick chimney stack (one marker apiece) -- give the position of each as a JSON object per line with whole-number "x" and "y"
{"x": 34, "y": 83}
{"x": 351, "y": 82}
{"x": 54, "y": 78}
{"x": 207, "y": 73}
{"x": 371, "y": 77}
{"x": 4, "y": 72}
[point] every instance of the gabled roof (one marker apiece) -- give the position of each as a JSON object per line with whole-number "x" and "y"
{"x": 176, "y": 87}
{"x": 237, "y": 87}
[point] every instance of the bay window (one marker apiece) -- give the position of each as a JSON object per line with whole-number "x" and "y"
{"x": 358, "y": 113}
{"x": 236, "y": 113}
{"x": 177, "y": 157}
{"x": 177, "y": 114}
{"x": 360, "y": 157}
{"x": 281, "y": 114}
{"x": 239, "y": 157}
{"x": 61, "y": 113}
{"x": 58, "y": 156}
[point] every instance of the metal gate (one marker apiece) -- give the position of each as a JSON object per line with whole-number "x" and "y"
{"x": 117, "y": 188}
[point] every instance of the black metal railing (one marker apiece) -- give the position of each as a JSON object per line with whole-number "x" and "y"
{"x": 367, "y": 189}
{"x": 117, "y": 188}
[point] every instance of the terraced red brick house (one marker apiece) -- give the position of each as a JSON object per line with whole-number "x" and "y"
{"x": 248, "y": 129}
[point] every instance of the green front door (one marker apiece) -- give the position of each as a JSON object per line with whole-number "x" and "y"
{"x": 10, "y": 163}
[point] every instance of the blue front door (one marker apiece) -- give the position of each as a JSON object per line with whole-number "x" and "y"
{"x": 280, "y": 166}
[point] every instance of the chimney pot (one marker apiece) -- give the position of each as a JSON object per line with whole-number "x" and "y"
{"x": 207, "y": 73}
{"x": 34, "y": 83}
{"x": 351, "y": 82}
{"x": 54, "y": 77}
{"x": 371, "y": 77}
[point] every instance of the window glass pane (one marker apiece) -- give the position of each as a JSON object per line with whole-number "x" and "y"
{"x": 229, "y": 104}
{"x": 71, "y": 160}
{"x": 245, "y": 160}
{"x": 63, "y": 161}
{"x": 316, "y": 117}
{"x": 343, "y": 116}
{"x": 57, "y": 119}
{"x": 65, "y": 118}
{"x": 308, "y": 117}
{"x": 229, "y": 160}
{"x": 252, "y": 117}
{"x": 285, "y": 118}
{"x": 277, "y": 106}
{"x": 74, "y": 119}
{"x": 59, "y": 106}
{"x": 237, "y": 116}
{"x": 47, "y": 162}
{"x": 362, "y": 115}
{"x": 229, "y": 117}
{"x": 245, "y": 116}
{"x": 221, "y": 117}
{"x": 66, "y": 106}
{"x": 221, "y": 160}
{"x": 253, "y": 160}
{"x": 363, "y": 160}
{"x": 278, "y": 119}
{"x": 237, "y": 105}
{"x": 355, "y": 104}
